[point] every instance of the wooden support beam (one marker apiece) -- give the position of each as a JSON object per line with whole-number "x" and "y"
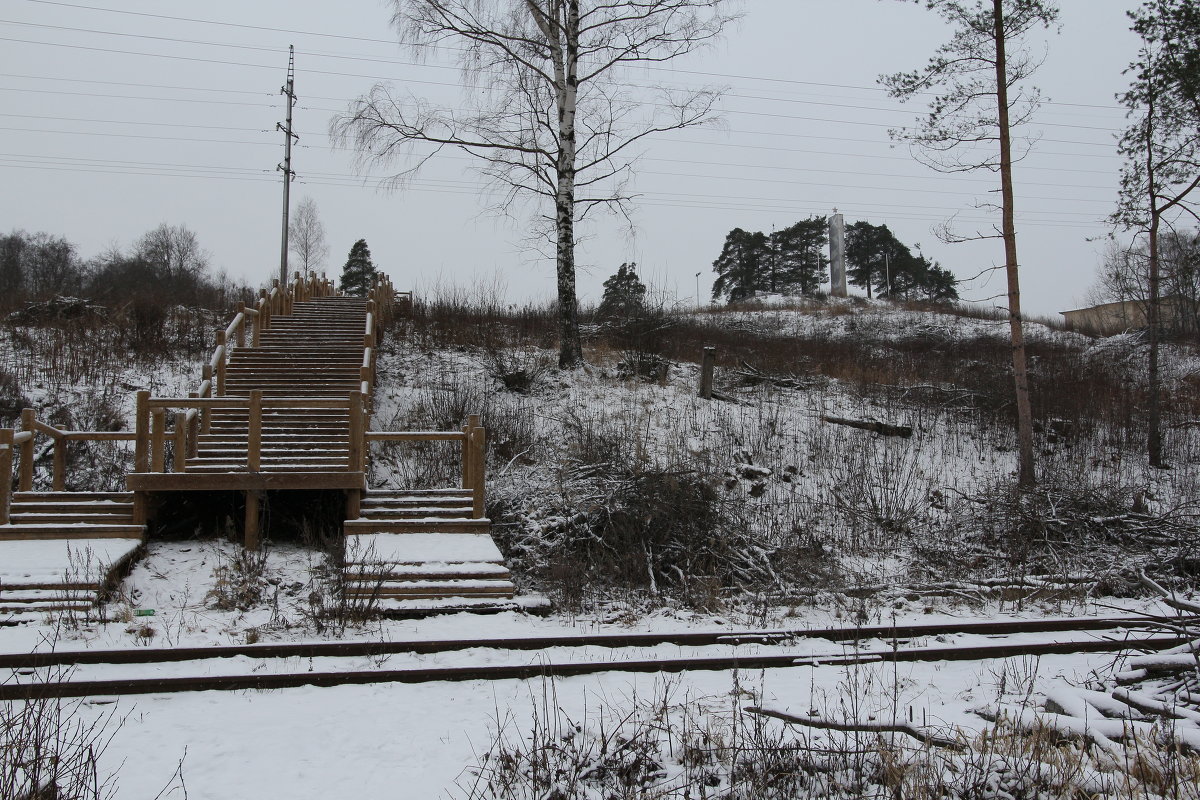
{"x": 180, "y": 447}
{"x": 254, "y": 437}
{"x": 478, "y": 461}
{"x": 141, "y": 505}
{"x": 141, "y": 447}
{"x": 253, "y": 523}
{"x": 467, "y": 473}
{"x": 59, "y": 476}
{"x": 158, "y": 440}
{"x": 355, "y": 459}
{"x": 353, "y": 503}
{"x": 241, "y": 328}
{"x": 6, "y": 465}
{"x": 28, "y": 423}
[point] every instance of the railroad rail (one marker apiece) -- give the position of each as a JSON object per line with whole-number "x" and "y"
{"x": 1131, "y": 638}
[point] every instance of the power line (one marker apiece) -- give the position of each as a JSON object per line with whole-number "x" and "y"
{"x": 707, "y": 74}
{"x": 376, "y": 77}
{"x": 402, "y": 62}
{"x": 137, "y": 97}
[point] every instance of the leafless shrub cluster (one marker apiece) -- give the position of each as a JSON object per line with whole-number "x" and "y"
{"x": 670, "y": 748}
{"x": 47, "y": 752}
{"x": 240, "y": 580}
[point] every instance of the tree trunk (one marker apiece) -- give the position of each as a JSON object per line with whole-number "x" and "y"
{"x": 570, "y": 350}
{"x": 1154, "y": 388}
{"x": 1026, "y": 477}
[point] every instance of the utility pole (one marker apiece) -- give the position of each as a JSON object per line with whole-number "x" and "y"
{"x": 286, "y": 167}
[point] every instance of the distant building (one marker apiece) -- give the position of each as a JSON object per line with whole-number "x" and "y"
{"x": 1109, "y": 319}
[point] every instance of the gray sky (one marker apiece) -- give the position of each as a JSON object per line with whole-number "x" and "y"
{"x": 118, "y": 116}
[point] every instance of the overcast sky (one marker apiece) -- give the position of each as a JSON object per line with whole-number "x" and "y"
{"x": 119, "y": 116}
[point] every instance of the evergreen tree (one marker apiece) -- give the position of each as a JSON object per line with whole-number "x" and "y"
{"x": 797, "y": 253}
{"x": 358, "y": 275}
{"x": 624, "y": 293}
{"x": 741, "y": 266}
{"x": 789, "y": 261}
{"x": 873, "y": 256}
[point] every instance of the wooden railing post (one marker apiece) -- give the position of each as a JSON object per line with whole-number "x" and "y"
{"x": 241, "y": 328}
{"x": 6, "y": 465}
{"x": 158, "y": 440}
{"x": 180, "y": 448}
{"x": 195, "y": 418}
{"x": 205, "y": 414}
{"x": 25, "y": 482}
{"x": 467, "y": 472}
{"x": 254, "y": 437}
{"x": 264, "y": 304}
{"x": 478, "y": 461}
{"x": 355, "y": 461}
{"x": 58, "y": 480}
{"x": 220, "y": 358}
{"x": 141, "y": 446}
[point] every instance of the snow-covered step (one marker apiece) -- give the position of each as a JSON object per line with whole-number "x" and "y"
{"x": 62, "y": 562}
{"x": 421, "y": 548}
{"x": 432, "y": 588}
{"x": 76, "y": 530}
{"x": 457, "y": 525}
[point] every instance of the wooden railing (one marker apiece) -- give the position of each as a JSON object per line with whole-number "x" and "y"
{"x": 22, "y": 442}
{"x": 473, "y": 439}
{"x": 155, "y": 427}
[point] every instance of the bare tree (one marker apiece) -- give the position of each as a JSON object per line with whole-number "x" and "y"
{"x": 550, "y": 112}
{"x": 306, "y": 236}
{"x": 969, "y": 127}
{"x": 1162, "y": 151}
{"x": 173, "y": 251}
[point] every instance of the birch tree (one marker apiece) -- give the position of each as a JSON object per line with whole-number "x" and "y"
{"x": 549, "y": 111}
{"x": 980, "y": 97}
{"x": 1162, "y": 151}
{"x": 306, "y": 237}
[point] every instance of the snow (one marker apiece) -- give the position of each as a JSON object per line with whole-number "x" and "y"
{"x": 49, "y": 560}
{"x": 398, "y": 740}
{"x": 418, "y": 548}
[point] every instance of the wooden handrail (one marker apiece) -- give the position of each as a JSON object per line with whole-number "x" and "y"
{"x": 415, "y": 436}
{"x": 473, "y": 440}
{"x": 24, "y": 440}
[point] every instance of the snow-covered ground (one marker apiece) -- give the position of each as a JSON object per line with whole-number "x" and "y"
{"x": 884, "y": 524}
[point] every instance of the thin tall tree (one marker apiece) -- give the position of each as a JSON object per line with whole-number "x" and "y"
{"x": 306, "y": 237}
{"x": 550, "y": 113}
{"x": 1162, "y": 151}
{"x": 978, "y": 79}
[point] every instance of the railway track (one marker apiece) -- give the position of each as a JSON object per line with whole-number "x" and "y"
{"x": 1124, "y": 633}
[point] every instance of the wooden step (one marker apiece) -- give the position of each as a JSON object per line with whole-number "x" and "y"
{"x": 27, "y": 532}
{"x": 68, "y": 518}
{"x": 76, "y": 497}
{"x": 422, "y": 525}
{"x": 426, "y": 589}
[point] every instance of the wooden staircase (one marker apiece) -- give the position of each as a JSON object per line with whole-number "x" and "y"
{"x": 59, "y": 549}
{"x": 284, "y": 405}
{"x": 410, "y": 547}
{"x": 316, "y": 352}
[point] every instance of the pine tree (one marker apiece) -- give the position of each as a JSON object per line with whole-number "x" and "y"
{"x": 797, "y": 254}
{"x": 624, "y": 293}
{"x": 358, "y": 275}
{"x": 742, "y": 266}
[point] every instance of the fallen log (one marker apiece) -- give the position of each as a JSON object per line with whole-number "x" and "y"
{"x": 920, "y": 734}
{"x": 875, "y": 426}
